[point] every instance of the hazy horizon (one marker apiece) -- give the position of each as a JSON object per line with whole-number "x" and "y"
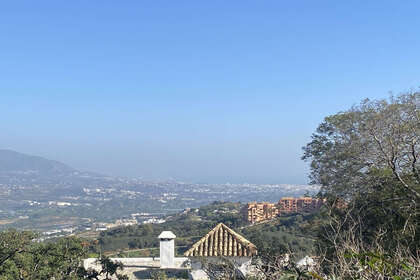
{"x": 198, "y": 91}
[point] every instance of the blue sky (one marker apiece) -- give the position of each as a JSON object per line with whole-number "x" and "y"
{"x": 204, "y": 91}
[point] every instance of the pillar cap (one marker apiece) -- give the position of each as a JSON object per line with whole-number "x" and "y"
{"x": 167, "y": 235}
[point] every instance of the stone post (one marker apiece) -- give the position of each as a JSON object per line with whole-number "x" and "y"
{"x": 167, "y": 249}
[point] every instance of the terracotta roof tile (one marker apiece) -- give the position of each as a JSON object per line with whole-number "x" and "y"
{"x": 222, "y": 241}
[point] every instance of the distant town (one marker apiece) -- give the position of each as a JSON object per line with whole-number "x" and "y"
{"x": 56, "y": 209}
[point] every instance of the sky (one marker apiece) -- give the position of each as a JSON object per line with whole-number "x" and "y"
{"x": 200, "y": 91}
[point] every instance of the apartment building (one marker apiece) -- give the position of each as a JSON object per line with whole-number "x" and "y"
{"x": 255, "y": 212}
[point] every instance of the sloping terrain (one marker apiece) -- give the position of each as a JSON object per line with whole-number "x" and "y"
{"x": 14, "y": 162}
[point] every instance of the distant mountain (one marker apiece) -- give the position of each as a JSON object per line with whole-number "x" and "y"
{"x": 14, "y": 162}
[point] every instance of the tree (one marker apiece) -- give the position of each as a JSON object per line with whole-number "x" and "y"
{"x": 351, "y": 148}
{"x": 368, "y": 157}
{"x": 109, "y": 269}
{"x": 22, "y": 257}
{"x": 13, "y": 242}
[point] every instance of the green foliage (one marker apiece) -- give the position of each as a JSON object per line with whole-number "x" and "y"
{"x": 21, "y": 257}
{"x": 285, "y": 234}
{"x": 376, "y": 263}
{"x": 367, "y": 160}
{"x": 12, "y": 243}
{"x": 109, "y": 270}
{"x": 188, "y": 227}
{"x": 24, "y": 259}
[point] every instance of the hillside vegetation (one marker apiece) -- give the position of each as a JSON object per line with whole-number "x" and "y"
{"x": 280, "y": 235}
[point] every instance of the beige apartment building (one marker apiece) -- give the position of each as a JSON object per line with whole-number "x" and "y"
{"x": 255, "y": 212}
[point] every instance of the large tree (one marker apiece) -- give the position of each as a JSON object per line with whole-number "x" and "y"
{"x": 369, "y": 158}
{"x": 352, "y": 148}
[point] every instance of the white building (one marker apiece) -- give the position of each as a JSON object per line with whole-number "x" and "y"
{"x": 221, "y": 243}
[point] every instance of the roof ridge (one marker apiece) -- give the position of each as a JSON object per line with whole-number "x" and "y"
{"x": 236, "y": 243}
{"x": 237, "y": 235}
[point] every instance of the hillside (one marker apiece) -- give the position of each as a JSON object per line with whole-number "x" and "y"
{"x": 18, "y": 163}
{"x": 288, "y": 233}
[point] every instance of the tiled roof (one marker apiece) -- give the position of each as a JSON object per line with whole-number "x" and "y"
{"x": 222, "y": 241}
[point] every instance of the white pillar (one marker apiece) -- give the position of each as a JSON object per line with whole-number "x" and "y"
{"x": 167, "y": 249}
